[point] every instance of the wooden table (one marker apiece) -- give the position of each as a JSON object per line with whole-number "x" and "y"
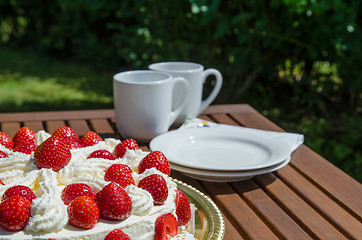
{"x": 308, "y": 199}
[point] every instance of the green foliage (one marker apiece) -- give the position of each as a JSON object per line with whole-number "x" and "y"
{"x": 297, "y": 61}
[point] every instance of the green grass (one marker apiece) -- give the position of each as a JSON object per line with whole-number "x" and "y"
{"x": 29, "y": 82}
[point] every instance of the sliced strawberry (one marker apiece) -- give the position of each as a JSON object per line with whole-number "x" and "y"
{"x": 119, "y": 173}
{"x": 122, "y": 147}
{"x": 24, "y": 136}
{"x": 14, "y": 213}
{"x": 113, "y": 202}
{"x": 1, "y": 182}
{"x": 3, "y": 155}
{"x": 155, "y": 159}
{"x": 102, "y": 154}
{"x": 25, "y": 148}
{"x": 67, "y": 133}
{"x": 19, "y": 190}
{"x": 83, "y": 212}
{"x": 183, "y": 210}
{"x": 117, "y": 234}
{"x": 165, "y": 227}
{"x": 74, "y": 190}
{"x": 6, "y": 141}
{"x": 90, "y": 139}
{"x": 53, "y": 153}
{"x": 156, "y": 185}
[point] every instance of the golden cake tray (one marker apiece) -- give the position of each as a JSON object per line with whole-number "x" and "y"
{"x": 209, "y": 222}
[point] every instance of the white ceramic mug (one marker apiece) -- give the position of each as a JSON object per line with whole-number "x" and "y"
{"x": 195, "y": 74}
{"x": 143, "y": 102}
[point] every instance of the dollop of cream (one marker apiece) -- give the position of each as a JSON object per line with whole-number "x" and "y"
{"x": 142, "y": 201}
{"x": 49, "y": 214}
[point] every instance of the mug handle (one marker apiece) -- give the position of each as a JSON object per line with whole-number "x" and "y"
{"x": 174, "y": 114}
{"x": 215, "y": 91}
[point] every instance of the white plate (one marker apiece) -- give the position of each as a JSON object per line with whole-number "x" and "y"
{"x": 221, "y": 149}
{"x": 219, "y": 176}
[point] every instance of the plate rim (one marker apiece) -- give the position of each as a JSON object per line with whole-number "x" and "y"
{"x": 234, "y": 178}
{"x": 162, "y": 143}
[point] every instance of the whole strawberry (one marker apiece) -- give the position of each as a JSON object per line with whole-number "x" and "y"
{"x": 53, "y": 153}
{"x": 102, "y": 154}
{"x": 90, "y": 139}
{"x": 25, "y": 148}
{"x": 19, "y": 190}
{"x": 155, "y": 159}
{"x": 67, "y": 133}
{"x": 165, "y": 227}
{"x": 6, "y": 141}
{"x": 24, "y": 136}
{"x": 119, "y": 173}
{"x": 14, "y": 213}
{"x": 83, "y": 212}
{"x": 183, "y": 210}
{"x": 74, "y": 190}
{"x": 156, "y": 185}
{"x": 122, "y": 147}
{"x": 3, "y": 155}
{"x": 113, "y": 202}
{"x": 117, "y": 234}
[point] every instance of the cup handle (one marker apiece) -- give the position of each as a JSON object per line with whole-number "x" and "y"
{"x": 215, "y": 91}
{"x": 174, "y": 114}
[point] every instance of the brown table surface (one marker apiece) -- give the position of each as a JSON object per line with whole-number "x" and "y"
{"x": 309, "y": 198}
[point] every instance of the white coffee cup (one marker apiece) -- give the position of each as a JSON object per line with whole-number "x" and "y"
{"x": 143, "y": 102}
{"x": 195, "y": 74}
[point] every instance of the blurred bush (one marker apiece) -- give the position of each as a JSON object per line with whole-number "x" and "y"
{"x": 296, "y": 61}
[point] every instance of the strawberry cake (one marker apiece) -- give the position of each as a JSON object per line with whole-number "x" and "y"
{"x": 60, "y": 186}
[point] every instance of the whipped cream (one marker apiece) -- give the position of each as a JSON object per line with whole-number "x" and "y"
{"x": 49, "y": 218}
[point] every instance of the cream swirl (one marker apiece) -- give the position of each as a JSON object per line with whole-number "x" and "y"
{"x": 49, "y": 214}
{"x": 142, "y": 201}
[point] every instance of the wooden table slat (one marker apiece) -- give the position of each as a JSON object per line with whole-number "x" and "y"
{"x": 34, "y": 125}
{"x": 285, "y": 227}
{"x": 10, "y": 128}
{"x": 233, "y": 207}
{"x": 329, "y": 209}
{"x": 80, "y": 126}
{"x": 313, "y": 223}
{"x": 53, "y": 125}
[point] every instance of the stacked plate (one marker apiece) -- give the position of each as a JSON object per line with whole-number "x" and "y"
{"x": 222, "y": 154}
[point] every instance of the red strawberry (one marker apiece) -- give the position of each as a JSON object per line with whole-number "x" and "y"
{"x": 90, "y": 139}
{"x": 83, "y": 212}
{"x": 113, "y": 202}
{"x": 6, "y": 141}
{"x": 14, "y": 213}
{"x": 3, "y": 155}
{"x": 156, "y": 185}
{"x": 74, "y": 190}
{"x": 19, "y": 190}
{"x": 183, "y": 210}
{"x": 53, "y": 153}
{"x": 25, "y": 148}
{"x": 74, "y": 145}
{"x": 165, "y": 227}
{"x": 24, "y": 136}
{"x": 67, "y": 133}
{"x": 102, "y": 154}
{"x": 117, "y": 234}
{"x": 122, "y": 147}
{"x": 155, "y": 159}
{"x": 119, "y": 173}
{"x": 1, "y": 182}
